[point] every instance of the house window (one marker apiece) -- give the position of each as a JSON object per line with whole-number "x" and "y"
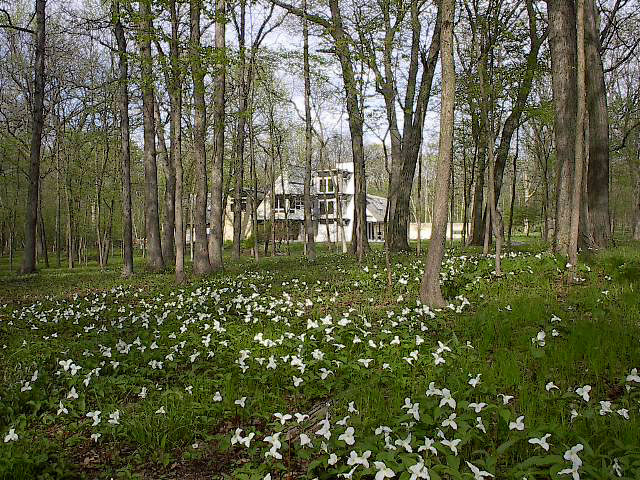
{"x": 280, "y": 203}
{"x": 327, "y": 207}
{"x": 299, "y": 204}
{"x": 325, "y": 185}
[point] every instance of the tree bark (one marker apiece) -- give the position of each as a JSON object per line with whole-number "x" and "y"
{"x": 579, "y": 140}
{"x": 37, "y": 121}
{"x": 562, "y": 40}
{"x": 201, "y": 261}
{"x": 125, "y": 156}
{"x": 216, "y": 240}
{"x": 430, "y": 292}
{"x": 598, "y": 170}
{"x": 308, "y": 220}
{"x": 155, "y": 262}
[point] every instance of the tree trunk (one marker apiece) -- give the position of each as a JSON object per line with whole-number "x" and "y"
{"x": 430, "y": 292}
{"x": 359, "y": 243}
{"x": 562, "y": 40}
{"x": 308, "y": 220}
{"x": 579, "y": 140}
{"x": 37, "y": 121}
{"x": 125, "y": 156}
{"x": 175, "y": 131}
{"x": 201, "y": 262}
{"x": 216, "y": 240}
{"x": 155, "y": 261}
{"x": 598, "y": 170}
{"x": 166, "y": 160}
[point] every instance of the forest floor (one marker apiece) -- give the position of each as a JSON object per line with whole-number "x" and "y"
{"x": 289, "y": 369}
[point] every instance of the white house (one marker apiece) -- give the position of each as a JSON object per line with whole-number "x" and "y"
{"x": 333, "y": 205}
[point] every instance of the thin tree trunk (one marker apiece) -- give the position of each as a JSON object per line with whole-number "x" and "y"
{"x": 155, "y": 261}
{"x": 166, "y": 160}
{"x": 513, "y": 190}
{"x": 308, "y": 221}
{"x": 430, "y": 292}
{"x": 579, "y": 140}
{"x": 216, "y": 240}
{"x": 125, "y": 157}
{"x": 175, "y": 131}
{"x": 37, "y": 121}
{"x": 201, "y": 261}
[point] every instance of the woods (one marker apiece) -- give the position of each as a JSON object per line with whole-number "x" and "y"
{"x": 364, "y": 76}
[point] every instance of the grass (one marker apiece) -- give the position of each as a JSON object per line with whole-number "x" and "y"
{"x": 311, "y": 318}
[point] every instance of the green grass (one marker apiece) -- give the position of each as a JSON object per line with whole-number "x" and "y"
{"x": 281, "y": 298}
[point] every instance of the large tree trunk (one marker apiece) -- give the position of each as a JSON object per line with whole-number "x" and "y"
{"x": 125, "y": 157}
{"x": 201, "y": 263}
{"x": 308, "y": 220}
{"x": 216, "y": 240}
{"x": 477, "y": 223}
{"x": 598, "y": 170}
{"x": 405, "y": 156}
{"x": 430, "y": 292}
{"x": 155, "y": 261}
{"x": 562, "y": 39}
{"x": 37, "y": 120}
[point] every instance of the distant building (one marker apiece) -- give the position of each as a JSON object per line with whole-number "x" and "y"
{"x": 333, "y": 206}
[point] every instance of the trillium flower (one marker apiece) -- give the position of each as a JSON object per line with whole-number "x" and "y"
{"x": 95, "y": 436}
{"x": 283, "y": 418}
{"x": 475, "y": 380}
{"x": 12, "y": 436}
{"x": 62, "y": 409}
{"x": 633, "y": 376}
{"x": 274, "y": 440}
{"x": 452, "y": 444}
{"x": 332, "y": 460}
{"x": 437, "y": 359}
{"x": 572, "y": 456}
{"x": 241, "y": 402}
{"x": 95, "y": 416}
{"x": 383, "y": 471}
{"x": 406, "y": 443}
{"x": 72, "y": 393}
{"x": 480, "y": 425}
{"x": 624, "y": 413}
{"x": 542, "y": 441}
{"x": 352, "y": 408}
{"x": 450, "y": 422}
{"x": 539, "y": 339}
{"x": 477, "y": 473}
{"x": 355, "y": 459}
{"x": 161, "y": 411}
{"x": 365, "y": 361}
{"x": 428, "y": 445}
{"x": 348, "y": 436}
{"x": 505, "y": 398}
{"x": 343, "y": 422}
{"x": 550, "y": 386}
{"x": 296, "y": 381}
{"x": 114, "y": 418}
{"x": 447, "y": 399}
{"x": 301, "y": 417}
{"x": 518, "y": 424}
{"x": 325, "y": 429}
{"x": 432, "y": 390}
{"x": 305, "y": 440}
{"x": 584, "y": 392}
{"x": 217, "y": 397}
{"x": 605, "y": 407}
{"x": 418, "y": 471}
{"x": 477, "y": 407}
